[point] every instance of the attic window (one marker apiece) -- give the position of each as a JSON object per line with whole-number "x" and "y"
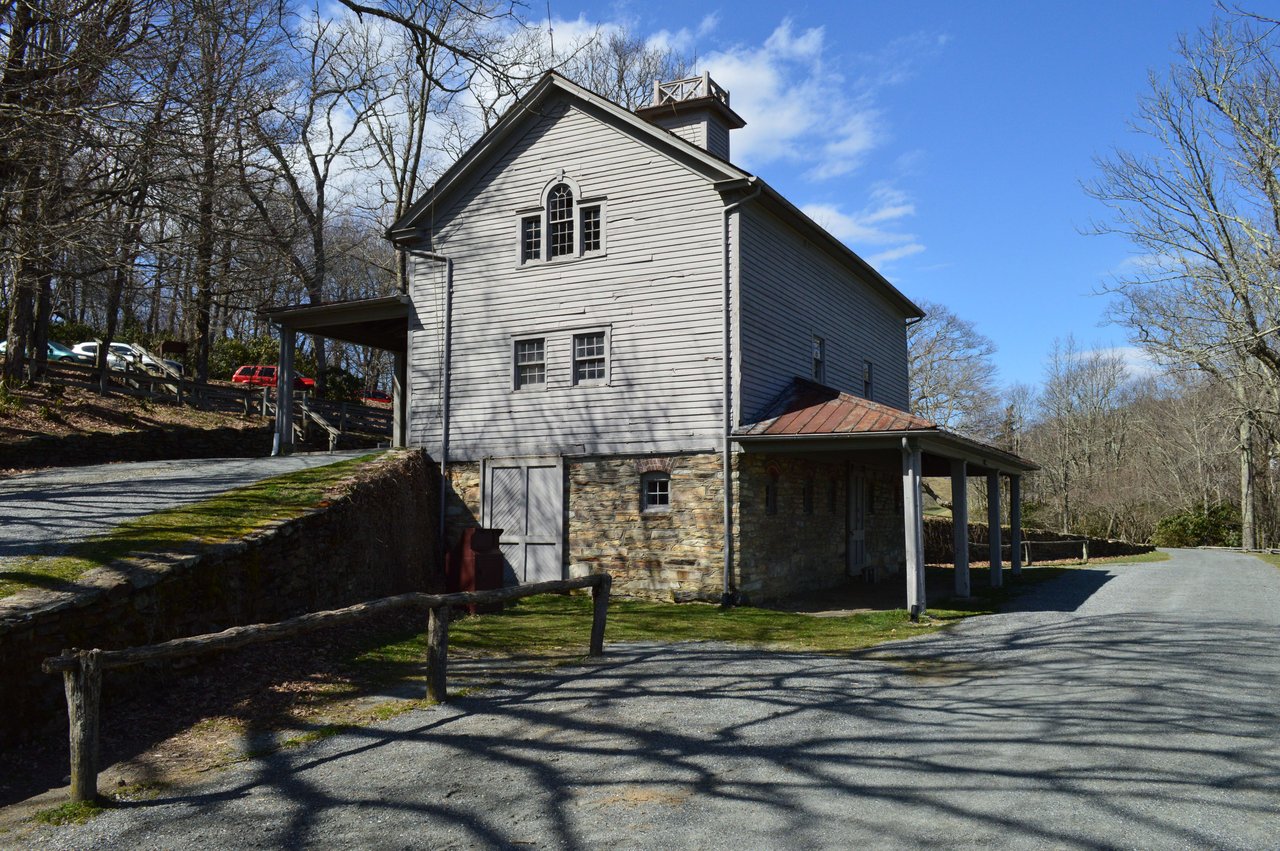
{"x": 563, "y": 227}
{"x": 560, "y": 221}
{"x": 590, "y": 229}
{"x": 530, "y": 238}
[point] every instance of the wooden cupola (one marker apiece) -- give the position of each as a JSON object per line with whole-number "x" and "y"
{"x": 695, "y": 109}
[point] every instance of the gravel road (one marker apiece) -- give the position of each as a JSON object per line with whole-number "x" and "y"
{"x": 44, "y": 512}
{"x": 1122, "y": 706}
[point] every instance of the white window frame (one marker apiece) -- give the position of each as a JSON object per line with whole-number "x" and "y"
{"x": 581, "y": 203}
{"x": 603, "y": 331}
{"x": 515, "y": 363}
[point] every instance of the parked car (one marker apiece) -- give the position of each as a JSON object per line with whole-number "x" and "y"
{"x": 119, "y": 356}
{"x": 265, "y": 376}
{"x": 57, "y": 352}
{"x": 376, "y": 397}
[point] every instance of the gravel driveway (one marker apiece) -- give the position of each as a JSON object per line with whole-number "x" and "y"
{"x": 45, "y": 511}
{"x": 1122, "y": 706}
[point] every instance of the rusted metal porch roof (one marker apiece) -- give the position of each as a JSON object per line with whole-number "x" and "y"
{"x": 812, "y": 417}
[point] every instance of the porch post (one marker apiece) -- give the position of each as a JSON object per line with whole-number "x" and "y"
{"x": 399, "y": 401}
{"x": 1015, "y": 524}
{"x": 960, "y": 525}
{"x": 913, "y": 526}
{"x": 283, "y": 441}
{"x": 993, "y": 527}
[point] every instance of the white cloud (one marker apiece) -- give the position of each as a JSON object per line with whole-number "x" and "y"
{"x": 1137, "y": 360}
{"x": 801, "y": 108}
{"x": 872, "y": 227}
{"x": 885, "y": 257}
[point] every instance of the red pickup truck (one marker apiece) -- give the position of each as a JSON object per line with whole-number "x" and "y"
{"x": 265, "y": 376}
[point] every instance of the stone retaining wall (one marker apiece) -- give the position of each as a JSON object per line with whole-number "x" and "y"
{"x": 939, "y": 548}
{"x": 375, "y": 537}
{"x": 154, "y": 444}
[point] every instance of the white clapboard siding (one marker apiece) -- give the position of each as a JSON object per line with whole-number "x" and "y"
{"x": 656, "y": 288}
{"x": 792, "y": 290}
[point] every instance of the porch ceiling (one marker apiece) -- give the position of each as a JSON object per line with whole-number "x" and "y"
{"x": 382, "y": 323}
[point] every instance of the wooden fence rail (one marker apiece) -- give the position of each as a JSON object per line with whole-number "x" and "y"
{"x": 82, "y": 670}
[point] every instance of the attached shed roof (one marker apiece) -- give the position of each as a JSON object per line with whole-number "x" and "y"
{"x": 382, "y": 323}
{"x": 808, "y": 416}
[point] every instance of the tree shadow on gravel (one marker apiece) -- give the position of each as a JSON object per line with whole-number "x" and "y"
{"x": 1084, "y": 732}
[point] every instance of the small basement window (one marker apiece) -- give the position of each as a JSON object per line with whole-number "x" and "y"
{"x": 771, "y": 495}
{"x": 655, "y": 492}
{"x": 531, "y": 363}
{"x": 806, "y": 496}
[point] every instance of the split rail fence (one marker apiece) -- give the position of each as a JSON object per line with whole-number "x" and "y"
{"x": 82, "y": 670}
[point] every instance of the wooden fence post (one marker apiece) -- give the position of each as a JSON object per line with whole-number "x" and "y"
{"x": 599, "y": 610}
{"x": 84, "y": 688}
{"x": 438, "y": 654}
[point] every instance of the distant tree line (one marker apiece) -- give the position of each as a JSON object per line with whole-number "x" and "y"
{"x": 170, "y": 167}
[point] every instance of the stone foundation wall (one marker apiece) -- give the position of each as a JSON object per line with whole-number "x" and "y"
{"x": 802, "y": 545}
{"x": 375, "y": 537}
{"x": 462, "y": 500}
{"x": 886, "y": 538}
{"x": 676, "y": 554}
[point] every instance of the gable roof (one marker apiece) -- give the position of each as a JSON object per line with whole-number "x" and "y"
{"x": 551, "y": 83}
{"x": 725, "y": 176}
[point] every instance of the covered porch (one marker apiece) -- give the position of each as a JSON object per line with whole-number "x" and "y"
{"x": 812, "y": 421}
{"x": 381, "y": 323}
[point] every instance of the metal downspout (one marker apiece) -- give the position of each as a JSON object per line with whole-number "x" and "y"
{"x": 727, "y": 594}
{"x": 444, "y": 388}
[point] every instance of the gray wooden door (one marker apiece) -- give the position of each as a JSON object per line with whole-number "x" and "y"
{"x": 524, "y": 499}
{"x": 856, "y": 550}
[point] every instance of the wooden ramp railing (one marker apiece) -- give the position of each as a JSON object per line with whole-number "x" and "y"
{"x": 82, "y": 669}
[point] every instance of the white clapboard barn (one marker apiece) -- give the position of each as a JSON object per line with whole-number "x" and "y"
{"x": 608, "y": 320}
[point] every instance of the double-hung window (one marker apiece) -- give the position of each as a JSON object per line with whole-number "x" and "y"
{"x": 590, "y": 358}
{"x": 531, "y": 363}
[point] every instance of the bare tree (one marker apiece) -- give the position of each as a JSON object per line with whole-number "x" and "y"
{"x": 1205, "y": 212}
{"x": 622, "y": 66}
{"x": 952, "y": 372}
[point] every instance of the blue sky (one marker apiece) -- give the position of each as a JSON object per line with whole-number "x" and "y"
{"x": 944, "y": 141}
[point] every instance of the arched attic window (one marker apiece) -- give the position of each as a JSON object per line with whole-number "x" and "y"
{"x": 560, "y": 221}
{"x": 564, "y": 226}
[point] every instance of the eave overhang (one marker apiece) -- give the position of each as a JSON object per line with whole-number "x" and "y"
{"x": 382, "y": 323}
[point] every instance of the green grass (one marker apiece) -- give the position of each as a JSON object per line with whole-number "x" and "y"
{"x": 213, "y": 521}
{"x": 69, "y": 813}
{"x": 1269, "y": 558}
{"x": 558, "y": 625}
